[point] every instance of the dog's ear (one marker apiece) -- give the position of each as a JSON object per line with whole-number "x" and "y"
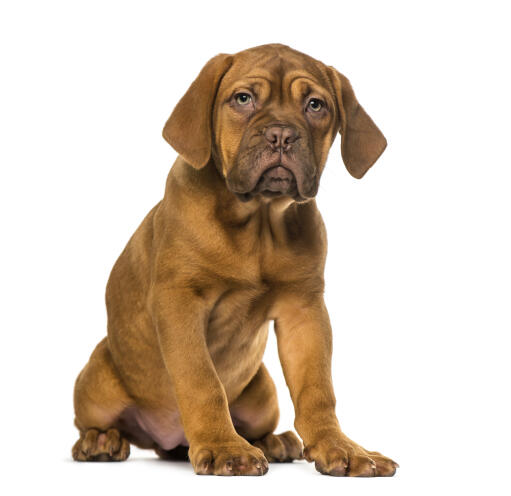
{"x": 362, "y": 142}
{"x": 188, "y": 129}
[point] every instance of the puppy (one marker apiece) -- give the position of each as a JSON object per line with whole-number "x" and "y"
{"x": 236, "y": 242}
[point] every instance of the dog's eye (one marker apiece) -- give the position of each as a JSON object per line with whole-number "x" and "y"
{"x": 243, "y": 98}
{"x": 315, "y": 104}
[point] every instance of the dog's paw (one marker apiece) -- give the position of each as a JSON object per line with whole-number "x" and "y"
{"x": 339, "y": 456}
{"x": 284, "y": 447}
{"x": 94, "y": 445}
{"x": 238, "y": 458}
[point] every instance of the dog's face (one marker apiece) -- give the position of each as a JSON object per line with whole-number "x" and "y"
{"x": 274, "y": 121}
{"x": 268, "y": 116}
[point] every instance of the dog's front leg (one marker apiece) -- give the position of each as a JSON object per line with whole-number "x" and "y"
{"x": 180, "y": 317}
{"x": 304, "y": 341}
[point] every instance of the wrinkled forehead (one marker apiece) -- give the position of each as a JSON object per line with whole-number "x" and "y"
{"x": 279, "y": 68}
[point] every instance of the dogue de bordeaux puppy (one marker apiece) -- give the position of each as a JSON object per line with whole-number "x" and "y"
{"x": 236, "y": 242}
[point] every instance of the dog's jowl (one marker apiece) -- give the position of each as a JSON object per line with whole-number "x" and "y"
{"x": 236, "y": 242}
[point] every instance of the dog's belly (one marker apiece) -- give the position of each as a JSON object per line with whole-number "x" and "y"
{"x": 146, "y": 428}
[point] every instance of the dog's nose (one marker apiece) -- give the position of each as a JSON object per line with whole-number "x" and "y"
{"x": 280, "y": 136}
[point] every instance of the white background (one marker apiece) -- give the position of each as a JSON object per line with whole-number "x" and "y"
{"x": 418, "y": 275}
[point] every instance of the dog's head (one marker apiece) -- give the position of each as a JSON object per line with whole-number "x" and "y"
{"x": 268, "y": 116}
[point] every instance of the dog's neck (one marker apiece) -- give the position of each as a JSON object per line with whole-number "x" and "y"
{"x": 206, "y": 187}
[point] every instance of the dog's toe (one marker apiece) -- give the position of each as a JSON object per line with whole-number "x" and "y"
{"x": 95, "y": 445}
{"x": 284, "y": 447}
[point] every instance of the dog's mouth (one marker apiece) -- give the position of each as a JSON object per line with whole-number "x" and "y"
{"x": 277, "y": 180}
{"x": 282, "y": 175}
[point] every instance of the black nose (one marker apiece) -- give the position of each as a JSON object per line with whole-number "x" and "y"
{"x": 280, "y": 136}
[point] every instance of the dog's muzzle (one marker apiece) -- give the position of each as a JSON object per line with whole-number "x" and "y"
{"x": 276, "y": 180}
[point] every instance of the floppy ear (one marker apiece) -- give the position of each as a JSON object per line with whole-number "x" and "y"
{"x": 362, "y": 142}
{"x": 188, "y": 129}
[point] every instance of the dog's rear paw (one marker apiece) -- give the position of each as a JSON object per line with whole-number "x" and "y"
{"x": 95, "y": 445}
{"x": 284, "y": 447}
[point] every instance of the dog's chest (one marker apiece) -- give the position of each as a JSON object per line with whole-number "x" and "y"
{"x": 263, "y": 263}
{"x": 236, "y": 333}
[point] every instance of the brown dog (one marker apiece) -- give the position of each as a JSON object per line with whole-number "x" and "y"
{"x": 237, "y": 241}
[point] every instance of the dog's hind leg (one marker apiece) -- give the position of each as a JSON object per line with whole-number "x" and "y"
{"x": 99, "y": 400}
{"x": 255, "y": 415}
